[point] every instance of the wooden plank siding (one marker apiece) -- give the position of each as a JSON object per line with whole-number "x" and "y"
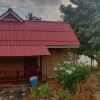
{"x": 16, "y": 70}
{"x": 50, "y": 62}
{"x": 11, "y": 69}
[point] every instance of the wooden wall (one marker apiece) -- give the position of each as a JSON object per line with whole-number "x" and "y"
{"x": 50, "y": 62}
{"x": 17, "y": 69}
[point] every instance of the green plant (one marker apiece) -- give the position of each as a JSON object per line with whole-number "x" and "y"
{"x": 34, "y": 94}
{"x": 69, "y": 75}
{"x": 42, "y": 91}
{"x": 98, "y": 54}
{"x": 45, "y": 91}
{"x": 63, "y": 95}
{"x": 18, "y": 94}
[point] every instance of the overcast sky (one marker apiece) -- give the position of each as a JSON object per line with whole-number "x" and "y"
{"x": 47, "y": 9}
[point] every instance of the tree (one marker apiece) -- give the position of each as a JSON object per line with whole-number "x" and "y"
{"x": 95, "y": 40}
{"x": 83, "y": 21}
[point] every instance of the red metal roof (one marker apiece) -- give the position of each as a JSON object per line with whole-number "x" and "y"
{"x": 37, "y": 33}
{"x": 23, "y": 50}
{"x": 25, "y": 38}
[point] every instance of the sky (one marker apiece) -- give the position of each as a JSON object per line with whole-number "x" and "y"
{"x": 46, "y": 9}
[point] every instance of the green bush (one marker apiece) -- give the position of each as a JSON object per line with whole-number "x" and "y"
{"x": 63, "y": 95}
{"x": 41, "y": 91}
{"x": 45, "y": 91}
{"x": 69, "y": 75}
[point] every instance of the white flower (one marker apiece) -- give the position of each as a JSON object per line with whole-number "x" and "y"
{"x": 67, "y": 62}
{"x": 73, "y": 68}
{"x": 68, "y": 71}
{"x": 39, "y": 88}
{"x": 61, "y": 68}
{"x": 62, "y": 82}
{"x": 58, "y": 64}
{"x": 55, "y": 68}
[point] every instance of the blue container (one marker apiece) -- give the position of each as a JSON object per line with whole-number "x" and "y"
{"x": 34, "y": 81}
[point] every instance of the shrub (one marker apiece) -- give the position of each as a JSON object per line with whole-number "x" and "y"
{"x": 42, "y": 91}
{"x": 69, "y": 75}
{"x": 63, "y": 95}
{"x": 45, "y": 91}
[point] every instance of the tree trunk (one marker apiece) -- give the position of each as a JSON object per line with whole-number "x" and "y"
{"x": 92, "y": 63}
{"x": 98, "y": 64}
{"x": 75, "y": 58}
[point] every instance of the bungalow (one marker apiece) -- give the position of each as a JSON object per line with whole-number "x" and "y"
{"x": 30, "y": 48}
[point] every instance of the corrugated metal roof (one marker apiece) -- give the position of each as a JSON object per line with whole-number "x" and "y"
{"x": 23, "y": 51}
{"x": 37, "y": 33}
{"x": 22, "y": 38}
